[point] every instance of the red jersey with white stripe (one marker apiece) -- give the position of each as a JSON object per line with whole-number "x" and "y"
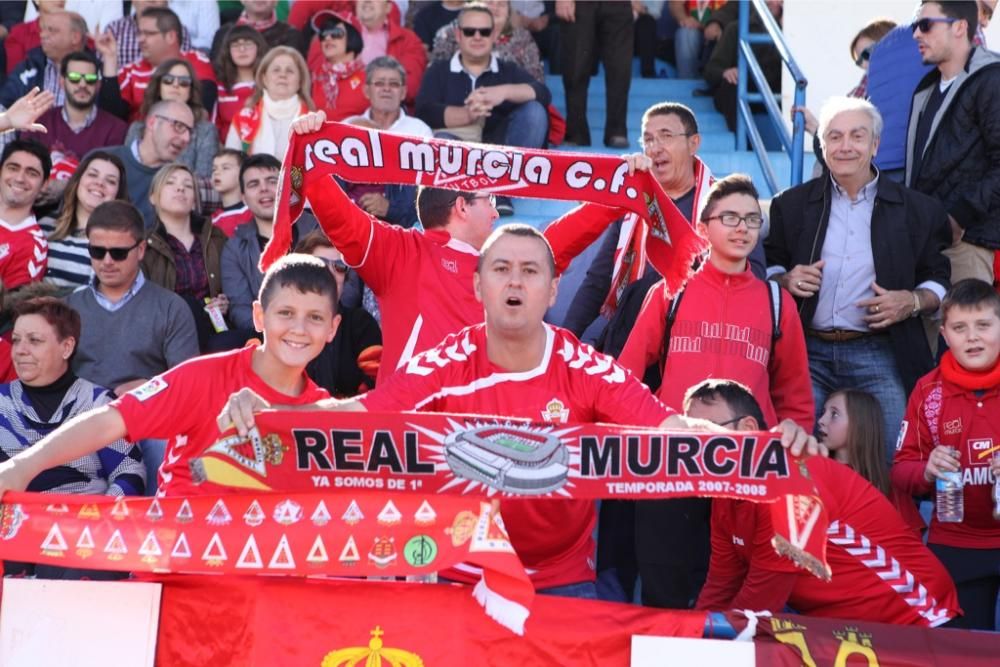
{"x": 573, "y": 383}
{"x": 229, "y": 102}
{"x": 882, "y": 572}
{"x": 940, "y": 412}
{"x": 229, "y": 218}
{"x": 133, "y": 79}
{"x": 181, "y": 405}
{"x": 422, "y": 280}
{"x": 24, "y": 252}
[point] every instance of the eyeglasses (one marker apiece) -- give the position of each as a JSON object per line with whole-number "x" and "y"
{"x": 392, "y": 85}
{"x": 180, "y": 127}
{"x": 492, "y": 199}
{"x": 117, "y": 254}
{"x": 662, "y": 138}
{"x": 472, "y": 32}
{"x": 334, "y": 33}
{"x": 926, "y": 24}
{"x": 338, "y": 265}
{"x": 864, "y": 56}
{"x": 242, "y": 44}
{"x": 173, "y": 80}
{"x": 77, "y": 77}
{"x": 753, "y": 220}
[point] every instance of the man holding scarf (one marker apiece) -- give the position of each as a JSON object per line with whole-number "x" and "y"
{"x": 670, "y": 139}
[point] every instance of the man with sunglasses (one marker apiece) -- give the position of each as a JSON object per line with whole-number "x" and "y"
{"x": 476, "y": 96}
{"x": 132, "y": 329}
{"x": 79, "y": 126}
{"x": 953, "y": 139}
{"x": 862, "y": 255}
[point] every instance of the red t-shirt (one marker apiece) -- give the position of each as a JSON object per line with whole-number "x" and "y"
{"x": 24, "y": 252}
{"x": 882, "y": 572}
{"x": 7, "y": 372}
{"x": 573, "y": 383}
{"x": 422, "y": 280}
{"x": 942, "y": 413}
{"x": 181, "y": 406}
{"x": 228, "y": 219}
{"x": 228, "y": 104}
{"x": 133, "y": 79}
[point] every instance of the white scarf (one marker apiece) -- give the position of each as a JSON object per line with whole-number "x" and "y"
{"x": 275, "y": 124}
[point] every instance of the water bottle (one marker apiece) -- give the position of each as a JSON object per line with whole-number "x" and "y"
{"x": 950, "y": 501}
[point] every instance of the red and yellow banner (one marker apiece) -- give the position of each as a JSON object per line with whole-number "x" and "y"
{"x": 373, "y": 156}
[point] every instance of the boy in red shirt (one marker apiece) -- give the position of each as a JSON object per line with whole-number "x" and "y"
{"x": 882, "y": 572}
{"x": 297, "y": 313}
{"x": 953, "y": 424}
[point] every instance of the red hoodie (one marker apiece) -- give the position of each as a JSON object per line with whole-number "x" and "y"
{"x": 723, "y": 330}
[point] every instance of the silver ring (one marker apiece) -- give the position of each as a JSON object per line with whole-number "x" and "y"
{"x": 876, "y": 308}
{"x": 798, "y": 284}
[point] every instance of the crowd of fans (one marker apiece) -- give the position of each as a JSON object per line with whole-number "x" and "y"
{"x": 860, "y": 305}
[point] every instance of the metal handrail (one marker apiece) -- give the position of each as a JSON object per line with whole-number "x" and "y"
{"x": 747, "y": 64}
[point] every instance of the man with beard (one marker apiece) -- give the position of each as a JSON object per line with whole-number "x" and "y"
{"x": 79, "y": 126}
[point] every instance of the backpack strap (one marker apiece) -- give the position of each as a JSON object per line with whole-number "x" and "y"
{"x": 675, "y": 303}
{"x": 776, "y": 298}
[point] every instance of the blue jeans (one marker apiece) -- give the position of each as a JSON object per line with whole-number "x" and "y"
{"x": 152, "y": 455}
{"x": 527, "y": 126}
{"x": 586, "y": 590}
{"x": 864, "y": 363}
{"x": 687, "y": 50}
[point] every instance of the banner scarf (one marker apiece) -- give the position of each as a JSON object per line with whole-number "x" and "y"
{"x": 292, "y": 534}
{"x": 372, "y": 156}
{"x": 630, "y": 252}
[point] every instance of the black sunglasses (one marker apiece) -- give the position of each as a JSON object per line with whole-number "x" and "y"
{"x": 482, "y": 32}
{"x": 864, "y": 56}
{"x": 182, "y": 81}
{"x": 117, "y": 254}
{"x": 338, "y": 265}
{"x": 926, "y": 24}
{"x": 337, "y": 32}
{"x": 77, "y": 77}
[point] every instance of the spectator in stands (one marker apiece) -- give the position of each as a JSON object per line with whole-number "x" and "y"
{"x": 670, "y": 139}
{"x": 133, "y": 329}
{"x": 348, "y": 364}
{"x": 99, "y": 178}
{"x": 226, "y": 182}
{"x": 160, "y": 40}
{"x": 510, "y": 42}
{"x": 952, "y": 423}
{"x": 126, "y": 32}
{"x": 282, "y": 94}
{"x": 699, "y": 26}
{"x": 433, "y": 16}
{"x": 300, "y": 14}
{"x": 63, "y": 33}
{"x": 747, "y": 572}
{"x": 953, "y": 141}
{"x": 337, "y": 84}
{"x": 184, "y": 253}
{"x": 586, "y": 28}
{"x": 537, "y": 18}
{"x": 768, "y": 355}
{"x": 201, "y": 18}
{"x": 168, "y": 131}
{"x": 175, "y": 79}
{"x": 24, "y": 168}
{"x": 241, "y": 277}
{"x": 721, "y": 72}
{"x": 852, "y": 428}
{"x": 79, "y": 126}
{"x": 261, "y": 17}
{"x": 47, "y": 393}
{"x": 476, "y": 96}
{"x": 27, "y": 35}
{"x": 862, "y": 256}
{"x": 382, "y": 37}
{"x": 385, "y": 88}
{"x": 235, "y": 66}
